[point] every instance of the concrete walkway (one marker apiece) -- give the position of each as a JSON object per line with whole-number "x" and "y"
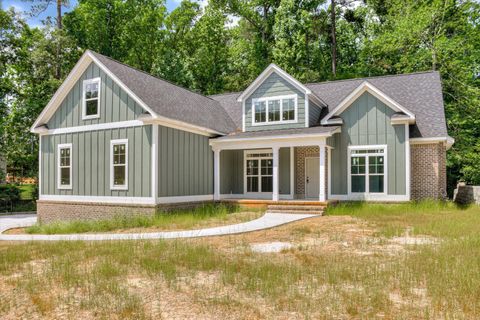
{"x": 268, "y": 220}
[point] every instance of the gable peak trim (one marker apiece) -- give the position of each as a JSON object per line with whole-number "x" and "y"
{"x": 366, "y": 86}
{"x": 272, "y": 67}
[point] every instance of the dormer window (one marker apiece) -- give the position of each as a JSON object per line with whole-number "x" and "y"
{"x": 274, "y": 110}
{"x": 91, "y": 99}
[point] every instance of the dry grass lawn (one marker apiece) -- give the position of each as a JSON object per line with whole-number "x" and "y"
{"x": 360, "y": 261}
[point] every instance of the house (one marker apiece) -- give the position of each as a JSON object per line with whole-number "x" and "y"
{"x": 114, "y": 139}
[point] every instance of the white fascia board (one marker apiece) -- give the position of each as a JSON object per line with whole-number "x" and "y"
{"x": 265, "y": 74}
{"x": 268, "y": 142}
{"x": 175, "y": 124}
{"x": 367, "y": 87}
{"x": 94, "y": 127}
{"x": 449, "y": 141}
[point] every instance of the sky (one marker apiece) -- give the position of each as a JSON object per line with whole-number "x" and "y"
{"x": 24, "y": 7}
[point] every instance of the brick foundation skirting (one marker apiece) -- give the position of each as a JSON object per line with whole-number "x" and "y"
{"x": 428, "y": 171}
{"x": 51, "y": 211}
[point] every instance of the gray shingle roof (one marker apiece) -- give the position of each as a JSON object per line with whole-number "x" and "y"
{"x": 420, "y": 93}
{"x": 278, "y": 132}
{"x": 169, "y": 100}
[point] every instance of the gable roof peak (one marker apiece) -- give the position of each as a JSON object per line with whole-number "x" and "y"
{"x": 272, "y": 67}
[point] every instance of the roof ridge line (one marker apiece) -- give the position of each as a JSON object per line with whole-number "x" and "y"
{"x": 372, "y": 77}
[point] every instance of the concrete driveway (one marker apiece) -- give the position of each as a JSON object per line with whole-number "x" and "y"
{"x": 267, "y": 221}
{"x": 16, "y": 221}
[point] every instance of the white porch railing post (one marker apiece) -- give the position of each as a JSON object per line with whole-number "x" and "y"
{"x": 216, "y": 174}
{"x": 275, "y": 173}
{"x": 321, "y": 183}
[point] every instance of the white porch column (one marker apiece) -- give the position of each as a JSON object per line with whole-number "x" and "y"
{"x": 321, "y": 183}
{"x": 275, "y": 173}
{"x": 216, "y": 174}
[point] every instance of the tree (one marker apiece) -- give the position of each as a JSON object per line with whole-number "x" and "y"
{"x": 442, "y": 35}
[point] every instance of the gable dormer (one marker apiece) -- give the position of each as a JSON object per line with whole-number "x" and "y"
{"x": 276, "y": 100}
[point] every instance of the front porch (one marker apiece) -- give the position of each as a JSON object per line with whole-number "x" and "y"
{"x": 272, "y": 172}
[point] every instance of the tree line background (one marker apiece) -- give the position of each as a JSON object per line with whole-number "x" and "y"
{"x": 223, "y": 46}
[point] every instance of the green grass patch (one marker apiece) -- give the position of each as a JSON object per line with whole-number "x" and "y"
{"x": 434, "y": 218}
{"x": 26, "y": 191}
{"x": 179, "y": 219}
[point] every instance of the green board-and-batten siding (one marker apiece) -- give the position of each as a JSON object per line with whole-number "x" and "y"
{"x": 185, "y": 163}
{"x": 232, "y": 174}
{"x": 273, "y": 86}
{"x": 91, "y": 162}
{"x": 115, "y": 104}
{"x": 367, "y": 122}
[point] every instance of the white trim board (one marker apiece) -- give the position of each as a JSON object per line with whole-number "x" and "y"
{"x": 98, "y": 199}
{"x": 181, "y": 199}
{"x": 449, "y": 141}
{"x": 377, "y": 93}
{"x": 96, "y": 127}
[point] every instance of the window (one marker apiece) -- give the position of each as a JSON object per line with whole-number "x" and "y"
{"x": 91, "y": 100}
{"x": 65, "y": 166}
{"x": 274, "y": 110}
{"x": 367, "y": 169}
{"x": 119, "y": 164}
{"x": 259, "y": 171}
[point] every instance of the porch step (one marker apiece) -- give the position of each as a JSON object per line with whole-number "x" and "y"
{"x": 296, "y": 207}
{"x": 318, "y": 212}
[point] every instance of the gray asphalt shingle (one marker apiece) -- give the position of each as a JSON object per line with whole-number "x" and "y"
{"x": 420, "y": 93}
{"x": 169, "y": 100}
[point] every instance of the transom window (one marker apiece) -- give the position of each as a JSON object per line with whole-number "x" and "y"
{"x": 119, "y": 164}
{"x": 274, "y": 110}
{"x": 367, "y": 169}
{"x": 91, "y": 99}
{"x": 65, "y": 166}
{"x": 259, "y": 172}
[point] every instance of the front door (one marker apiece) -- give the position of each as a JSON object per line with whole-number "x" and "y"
{"x": 312, "y": 173}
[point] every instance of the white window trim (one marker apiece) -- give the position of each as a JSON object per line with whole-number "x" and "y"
{"x": 84, "y": 101}
{"x": 266, "y": 100}
{"x": 245, "y": 188}
{"x": 385, "y": 170}
{"x": 112, "y": 185}
{"x": 59, "y": 180}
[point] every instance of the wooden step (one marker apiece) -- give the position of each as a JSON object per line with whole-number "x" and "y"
{"x": 318, "y": 212}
